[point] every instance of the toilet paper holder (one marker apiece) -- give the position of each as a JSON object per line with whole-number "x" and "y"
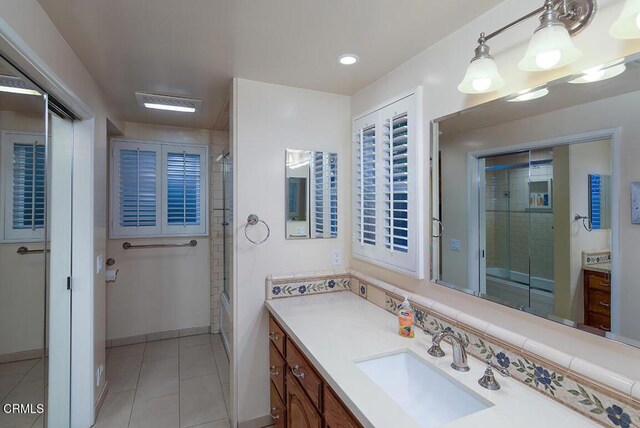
{"x": 111, "y": 261}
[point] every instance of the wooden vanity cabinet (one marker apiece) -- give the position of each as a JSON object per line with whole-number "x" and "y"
{"x": 300, "y": 397}
{"x": 597, "y": 299}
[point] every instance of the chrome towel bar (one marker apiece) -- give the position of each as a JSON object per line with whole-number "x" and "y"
{"x": 130, "y": 246}
{"x": 24, "y": 250}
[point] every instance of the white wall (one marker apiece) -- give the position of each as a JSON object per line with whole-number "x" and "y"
{"x": 585, "y": 159}
{"x": 21, "y": 277}
{"x": 39, "y": 49}
{"x": 439, "y": 69}
{"x": 159, "y": 289}
{"x": 268, "y": 120}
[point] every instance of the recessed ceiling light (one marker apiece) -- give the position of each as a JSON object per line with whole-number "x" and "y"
{"x": 528, "y": 95}
{"x": 167, "y": 102}
{"x": 348, "y": 59}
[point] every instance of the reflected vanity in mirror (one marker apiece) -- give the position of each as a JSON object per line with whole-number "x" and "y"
{"x": 545, "y": 226}
{"x": 311, "y": 194}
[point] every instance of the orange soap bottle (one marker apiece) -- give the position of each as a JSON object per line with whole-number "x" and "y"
{"x": 405, "y": 319}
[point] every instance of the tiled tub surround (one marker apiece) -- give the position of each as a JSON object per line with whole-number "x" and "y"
{"x": 364, "y": 332}
{"x": 603, "y": 396}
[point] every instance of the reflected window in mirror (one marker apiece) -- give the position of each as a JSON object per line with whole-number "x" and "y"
{"x": 312, "y": 194}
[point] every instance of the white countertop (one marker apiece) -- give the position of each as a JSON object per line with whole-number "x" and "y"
{"x": 336, "y": 330}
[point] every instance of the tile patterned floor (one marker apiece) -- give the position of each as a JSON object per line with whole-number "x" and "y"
{"x": 173, "y": 383}
{"x": 22, "y": 382}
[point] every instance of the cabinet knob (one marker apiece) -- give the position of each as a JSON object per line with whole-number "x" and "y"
{"x": 605, "y": 304}
{"x": 273, "y": 371}
{"x": 294, "y": 371}
{"x": 276, "y": 416}
{"x": 274, "y": 336}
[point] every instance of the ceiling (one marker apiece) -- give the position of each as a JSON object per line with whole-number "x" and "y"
{"x": 193, "y": 48}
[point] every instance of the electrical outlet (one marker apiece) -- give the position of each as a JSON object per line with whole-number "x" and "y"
{"x": 336, "y": 257}
{"x": 455, "y": 244}
{"x": 99, "y": 263}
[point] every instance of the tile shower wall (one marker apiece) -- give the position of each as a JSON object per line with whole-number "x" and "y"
{"x": 219, "y": 145}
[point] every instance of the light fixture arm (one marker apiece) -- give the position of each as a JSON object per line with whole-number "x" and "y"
{"x": 574, "y": 14}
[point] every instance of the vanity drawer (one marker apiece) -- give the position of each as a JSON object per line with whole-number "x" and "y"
{"x": 277, "y": 370}
{"x": 336, "y": 414}
{"x": 598, "y": 281}
{"x": 599, "y": 321}
{"x": 302, "y": 370}
{"x": 600, "y": 302}
{"x": 278, "y": 409}
{"x": 276, "y": 335}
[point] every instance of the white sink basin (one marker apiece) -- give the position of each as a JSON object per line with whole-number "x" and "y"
{"x": 427, "y": 394}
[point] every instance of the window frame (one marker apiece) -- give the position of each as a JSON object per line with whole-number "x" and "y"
{"x": 412, "y": 262}
{"x": 7, "y": 233}
{"x": 162, "y": 228}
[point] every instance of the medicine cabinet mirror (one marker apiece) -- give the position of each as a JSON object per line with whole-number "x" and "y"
{"x": 311, "y": 191}
{"x": 531, "y": 202}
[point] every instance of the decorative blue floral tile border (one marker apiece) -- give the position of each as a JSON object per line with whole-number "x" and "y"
{"x": 313, "y": 286}
{"x": 583, "y": 396}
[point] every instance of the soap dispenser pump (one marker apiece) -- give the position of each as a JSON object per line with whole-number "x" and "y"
{"x": 405, "y": 319}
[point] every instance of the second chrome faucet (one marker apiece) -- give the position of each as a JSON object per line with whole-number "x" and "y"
{"x": 459, "y": 353}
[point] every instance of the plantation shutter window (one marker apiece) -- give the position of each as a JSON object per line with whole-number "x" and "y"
{"x": 158, "y": 189}
{"x": 25, "y": 168}
{"x": 324, "y": 209}
{"x": 387, "y": 212}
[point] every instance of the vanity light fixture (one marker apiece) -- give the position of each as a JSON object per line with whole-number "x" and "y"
{"x": 529, "y": 94}
{"x": 348, "y": 59}
{"x": 601, "y": 72}
{"x": 482, "y": 75}
{"x": 628, "y": 24}
{"x": 550, "y": 47}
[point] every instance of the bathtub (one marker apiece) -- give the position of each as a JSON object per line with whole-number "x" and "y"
{"x": 538, "y": 297}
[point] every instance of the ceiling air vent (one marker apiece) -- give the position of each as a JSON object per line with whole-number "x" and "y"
{"x": 167, "y": 102}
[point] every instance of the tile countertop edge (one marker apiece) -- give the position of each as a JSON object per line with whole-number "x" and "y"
{"x": 355, "y": 410}
{"x": 604, "y": 376}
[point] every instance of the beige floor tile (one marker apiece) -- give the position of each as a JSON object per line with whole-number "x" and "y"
{"x": 156, "y": 412}
{"x": 161, "y": 349}
{"x": 17, "y": 367}
{"x": 196, "y": 361}
{"x": 126, "y": 351}
{"x": 222, "y": 364}
{"x": 158, "y": 377}
{"x": 116, "y": 410}
{"x": 222, "y": 423}
{"x": 24, "y": 393}
{"x": 7, "y": 383}
{"x": 226, "y": 391}
{"x": 36, "y": 372}
{"x": 216, "y": 342}
{"x": 122, "y": 373}
{"x": 199, "y": 339}
{"x": 201, "y": 400}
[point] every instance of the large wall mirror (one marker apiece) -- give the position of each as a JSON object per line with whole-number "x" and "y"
{"x": 311, "y": 189}
{"x": 532, "y": 206}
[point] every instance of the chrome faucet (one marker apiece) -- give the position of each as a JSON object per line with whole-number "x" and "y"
{"x": 459, "y": 353}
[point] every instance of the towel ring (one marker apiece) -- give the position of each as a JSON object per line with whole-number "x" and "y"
{"x": 252, "y": 220}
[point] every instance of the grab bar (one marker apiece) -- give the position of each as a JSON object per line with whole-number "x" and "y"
{"x": 24, "y": 250}
{"x": 130, "y": 246}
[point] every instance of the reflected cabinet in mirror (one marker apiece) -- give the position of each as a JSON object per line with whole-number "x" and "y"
{"x": 311, "y": 194}
{"x": 532, "y": 203}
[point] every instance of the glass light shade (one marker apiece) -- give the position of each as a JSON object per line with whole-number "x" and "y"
{"x": 601, "y": 72}
{"x": 482, "y": 76}
{"x": 550, "y": 47}
{"x": 628, "y": 24}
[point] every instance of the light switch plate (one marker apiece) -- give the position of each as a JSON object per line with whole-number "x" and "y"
{"x": 455, "y": 245}
{"x": 99, "y": 263}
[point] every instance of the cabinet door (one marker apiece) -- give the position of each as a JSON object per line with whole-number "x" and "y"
{"x": 300, "y": 412}
{"x": 277, "y": 369}
{"x": 277, "y": 409}
{"x": 335, "y": 413}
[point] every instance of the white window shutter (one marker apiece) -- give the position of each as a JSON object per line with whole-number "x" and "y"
{"x": 387, "y": 224}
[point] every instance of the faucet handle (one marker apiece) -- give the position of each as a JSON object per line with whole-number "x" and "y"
{"x": 436, "y": 351}
{"x": 488, "y": 380}
{"x": 503, "y": 371}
